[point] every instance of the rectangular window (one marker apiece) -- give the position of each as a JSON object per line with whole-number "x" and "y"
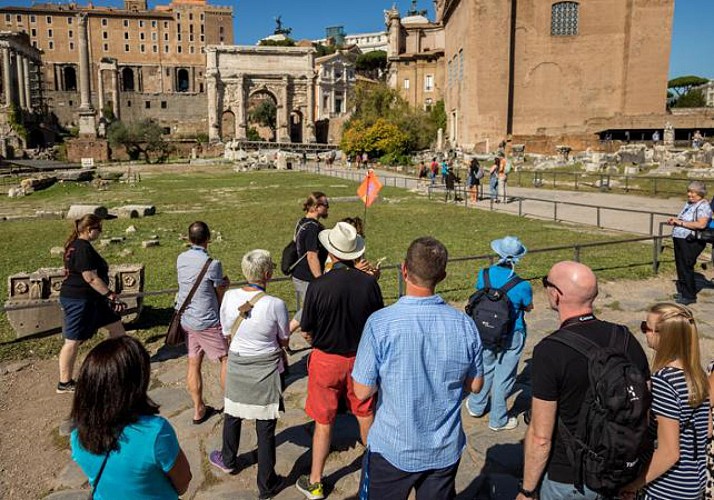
{"x": 71, "y": 45}
{"x": 202, "y": 17}
{"x": 51, "y": 45}
{"x": 178, "y": 15}
{"x": 69, "y": 20}
{"x": 179, "y": 49}
{"x": 49, "y": 33}
{"x": 33, "y": 19}
{"x": 141, "y": 23}
{"x": 142, "y": 48}
{"x": 166, "y": 49}
{"x": 190, "y": 16}
{"x": 106, "y": 47}
{"x": 153, "y": 24}
{"x": 220, "y": 30}
{"x": 126, "y": 23}
{"x": 461, "y": 64}
{"x": 166, "y": 37}
{"x": 429, "y": 83}
{"x": 190, "y": 28}
{"x": 33, "y": 32}
{"x": 147, "y": 104}
{"x": 142, "y": 36}
{"x": 203, "y": 28}
{"x": 178, "y": 37}
{"x": 126, "y": 47}
{"x": 105, "y": 35}
{"x": 178, "y": 27}
{"x": 155, "y": 49}
{"x": 154, "y": 36}
{"x": 126, "y": 35}
{"x": 104, "y": 22}
{"x": 128, "y": 104}
{"x": 70, "y": 34}
{"x": 448, "y": 73}
{"x": 166, "y": 25}
{"x": 19, "y": 19}
{"x": 191, "y": 49}
{"x": 48, "y": 19}
{"x": 190, "y": 37}
{"x": 203, "y": 38}
{"x": 163, "y": 105}
{"x": 406, "y": 84}
{"x": 221, "y": 39}
{"x": 34, "y": 44}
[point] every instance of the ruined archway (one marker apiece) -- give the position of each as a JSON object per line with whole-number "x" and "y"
{"x": 228, "y": 126}
{"x": 127, "y": 80}
{"x": 262, "y": 113}
{"x": 296, "y": 125}
{"x": 69, "y": 75}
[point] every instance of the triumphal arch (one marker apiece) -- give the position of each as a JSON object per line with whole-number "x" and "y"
{"x": 236, "y": 74}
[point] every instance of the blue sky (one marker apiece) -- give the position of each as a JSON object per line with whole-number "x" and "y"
{"x": 692, "y": 41}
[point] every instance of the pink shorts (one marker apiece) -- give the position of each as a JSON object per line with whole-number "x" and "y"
{"x": 209, "y": 341}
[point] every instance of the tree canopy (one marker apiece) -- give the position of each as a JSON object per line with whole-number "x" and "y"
{"x": 372, "y": 64}
{"x": 142, "y": 137}
{"x": 288, "y": 42}
{"x": 683, "y": 84}
{"x": 265, "y": 113}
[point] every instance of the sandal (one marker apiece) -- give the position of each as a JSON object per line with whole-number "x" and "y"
{"x": 210, "y": 411}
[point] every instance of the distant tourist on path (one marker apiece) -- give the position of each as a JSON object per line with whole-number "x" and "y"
{"x": 418, "y": 355}
{"x": 258, "y": 324}
{"x": 122, "y": 445}
{"x": 451, "y": 181}
{"x": 697, "y": 140}
{"x": 422, "y": 173}
{"x": 86, "y": 301}
{"x": 655, "y": 136}
{"x": 681, "y": 415}
{"x": 336, "y": 308}
{"x": 311, "y": 254}
{"x": 201, "y": 319}
{"x": 473, "y": 180}
{"x": 560, "y": 383}
{"x": 434, "y": 171}
{"x": 501, "y": 364}
{"x": 694, "y": 216}
{"x": 503, "y": 171}
{"x": 493, "y": 180}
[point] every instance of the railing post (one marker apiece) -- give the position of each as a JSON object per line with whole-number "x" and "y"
{"x": 656, "y": 242}
{"x": 520, "y": 207}
{"x": 598, "y": 216}
{"x": 400, "y": 281}
{"x": 576, "y": 253}
{"x": 555, "y": 210}
{"x": 651, "y": 224}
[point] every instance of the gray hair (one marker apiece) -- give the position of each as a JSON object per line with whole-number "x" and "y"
{"x": 698, "y": 187}
{"x": 256, "y": 264}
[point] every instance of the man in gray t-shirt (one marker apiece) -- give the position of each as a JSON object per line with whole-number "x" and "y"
{"x": 201, "y": 319}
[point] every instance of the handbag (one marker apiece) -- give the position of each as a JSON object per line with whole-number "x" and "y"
{"x": 706, "y": 235}
{"x": 175, "y": 334}
{"x": 99, "y": 476}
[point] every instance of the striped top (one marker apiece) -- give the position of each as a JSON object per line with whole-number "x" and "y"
{"x": 686, "y": 479}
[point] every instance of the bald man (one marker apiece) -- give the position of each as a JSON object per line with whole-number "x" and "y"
{"x": 560, "y": 381}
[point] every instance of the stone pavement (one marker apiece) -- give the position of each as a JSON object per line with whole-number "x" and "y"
{"x": 491, "y": 461}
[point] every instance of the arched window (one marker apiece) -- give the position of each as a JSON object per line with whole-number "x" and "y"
{"x": 564, "y": 19}
{"x": 127, "y": 78}
{"x": 182, "y": 80}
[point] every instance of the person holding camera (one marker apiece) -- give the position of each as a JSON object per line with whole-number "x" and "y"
{"x": 85, "y": 298}
{"x": 694, "y": 217}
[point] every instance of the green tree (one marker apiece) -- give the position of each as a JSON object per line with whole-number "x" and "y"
{"x": 323, "y": 50}
{"x": 265, "y": 113}
{"x": 252, "y": 134}
{"x": 144, "y": 137}
{"x": 288, "y": 42}
{"x": 372, "y": 64}
{"x": 683, "y": 84}
{"x": 692, "y": 99}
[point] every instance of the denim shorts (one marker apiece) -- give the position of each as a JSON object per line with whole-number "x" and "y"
{"x": 83, "y": 317}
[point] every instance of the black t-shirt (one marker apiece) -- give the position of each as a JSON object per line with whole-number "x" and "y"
{"x": 337, "y": 306}
{"x": 559, "y": 373}
{"x": 307, "y": 241}
{"x": 81, "y": 256}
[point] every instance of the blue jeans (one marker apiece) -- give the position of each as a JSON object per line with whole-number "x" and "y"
{"x": 499, "y": 376}
{"x": 551, "y": 490}
{"x": 493, "y": 187}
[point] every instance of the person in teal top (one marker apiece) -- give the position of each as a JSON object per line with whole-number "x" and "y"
{"x": 500, "y": 367}
{"x": 124, "y": 448}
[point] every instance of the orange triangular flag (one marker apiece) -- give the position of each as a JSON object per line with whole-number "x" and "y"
{"x": 369, "y": 189}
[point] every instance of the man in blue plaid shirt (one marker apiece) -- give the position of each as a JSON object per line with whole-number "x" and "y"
{"x": 421, "y": 355}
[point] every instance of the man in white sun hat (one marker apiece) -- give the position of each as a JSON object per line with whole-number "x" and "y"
{"x": 502, "y": 342}
{"x": 337, "y": 305}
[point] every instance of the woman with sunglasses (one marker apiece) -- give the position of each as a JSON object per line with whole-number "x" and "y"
{"x": 680, "y": 415}
{"x": 86, "y": 300}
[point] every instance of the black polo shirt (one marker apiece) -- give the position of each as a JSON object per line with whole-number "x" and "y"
{"x": 307, "y": 241}
{"x": 559, "y": 373}
{"x": 337, "y": 305}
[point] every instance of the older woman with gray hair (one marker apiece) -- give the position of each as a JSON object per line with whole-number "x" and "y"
{"x": 259, "y": 326}
{"x": 694, "y": 217}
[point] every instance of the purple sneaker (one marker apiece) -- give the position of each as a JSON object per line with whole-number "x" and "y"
{"x": 216, "y": 460}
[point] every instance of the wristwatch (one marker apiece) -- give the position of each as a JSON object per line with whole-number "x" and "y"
{"x": 526, "y": 493}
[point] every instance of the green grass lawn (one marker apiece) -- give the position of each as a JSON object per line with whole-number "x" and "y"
{"x": 259, "y": 210}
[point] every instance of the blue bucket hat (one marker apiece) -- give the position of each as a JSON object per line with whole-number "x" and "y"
{"x": 510, "y": 249}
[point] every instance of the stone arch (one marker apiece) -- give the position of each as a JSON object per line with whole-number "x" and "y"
{"x": 183, "y": 81}
{"x": 228, "y": 125}
{"x": 127, "y": 80}
{"x": 69, "y": 75}
{"x": 296, "y": 126}
{"x": 263, "y": 96}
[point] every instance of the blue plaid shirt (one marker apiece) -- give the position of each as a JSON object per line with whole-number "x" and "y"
{"x": 418, "y": 351}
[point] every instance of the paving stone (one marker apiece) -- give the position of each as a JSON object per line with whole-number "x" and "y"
{"x": 70, "y": 477}
{"x": 171, "y": 400}
{"x": 68, "y": 495}
{"x": 14, "y": 366}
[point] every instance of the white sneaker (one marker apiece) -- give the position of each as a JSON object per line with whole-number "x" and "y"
{"x": 510, "y": 425}
{"x": 475, "y": 415}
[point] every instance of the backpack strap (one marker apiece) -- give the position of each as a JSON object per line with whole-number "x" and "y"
{"x": 244, "y": 311}
{"x": 506, "y": 287}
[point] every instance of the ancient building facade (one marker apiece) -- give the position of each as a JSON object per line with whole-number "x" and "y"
{"x": 415, "y": 58}
{"x": 236, "y": 74}
{"x": 335, "y": 81}
{"x": 143, "y": 62}
{"x": 534, "y": 68}
{"x": 20, "y": 93}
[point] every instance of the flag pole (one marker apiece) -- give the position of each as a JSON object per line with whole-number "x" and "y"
{"x": 364, "y": 219}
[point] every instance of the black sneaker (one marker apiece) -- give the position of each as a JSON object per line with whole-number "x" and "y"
{"x": 66, "y": 387}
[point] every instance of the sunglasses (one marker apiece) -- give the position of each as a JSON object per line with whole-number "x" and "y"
{"x": 326, "y": 205}
{"x": 96, "y": 228}
{"x": 644, "y": 328}
{"x": 548, "y": 284}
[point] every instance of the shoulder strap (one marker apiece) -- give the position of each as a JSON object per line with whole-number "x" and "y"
{"x": 486, "y": 279}
{"x": 579, "y": 343}
{"x": 194, "y": 287}
{"x": 99, "y": 475}
{"x": 245, "y": 310}
{"x": 508, "y": 286}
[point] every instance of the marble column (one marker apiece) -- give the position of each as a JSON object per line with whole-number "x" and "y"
{"x": 87, "y": 118}
{"x": 100, "y": 91}
{"x": 115, "y": 93}
{"x": 309, "y": 126}
{"x": 6, "y": 77}
{"x": 214, "y": 128}
{"x": 28, "y": 94}
{"x": 241, "y": 118}
{"x": 19, "y": 68}
{"x": 284, "y": 117}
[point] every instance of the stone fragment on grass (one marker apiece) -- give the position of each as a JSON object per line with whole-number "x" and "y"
{"x": 78, "y": 211}
{"x": 57, "y": 251}
{"x": 150, "y": 243}
{"x": 130, "y": 230}
{"x": 110, "y": 241}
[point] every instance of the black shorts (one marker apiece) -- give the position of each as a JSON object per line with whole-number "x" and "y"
{"x": 83, "y": 317}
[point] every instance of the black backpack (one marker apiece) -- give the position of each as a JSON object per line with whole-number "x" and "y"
{"x": 290, "y": 258}
{"x": 491, "y": 309}
{"x": 611, "y": 438}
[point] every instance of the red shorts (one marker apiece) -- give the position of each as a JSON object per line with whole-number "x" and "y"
{"x": 209, "y": 341}
{"x": 329, "y": 378}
